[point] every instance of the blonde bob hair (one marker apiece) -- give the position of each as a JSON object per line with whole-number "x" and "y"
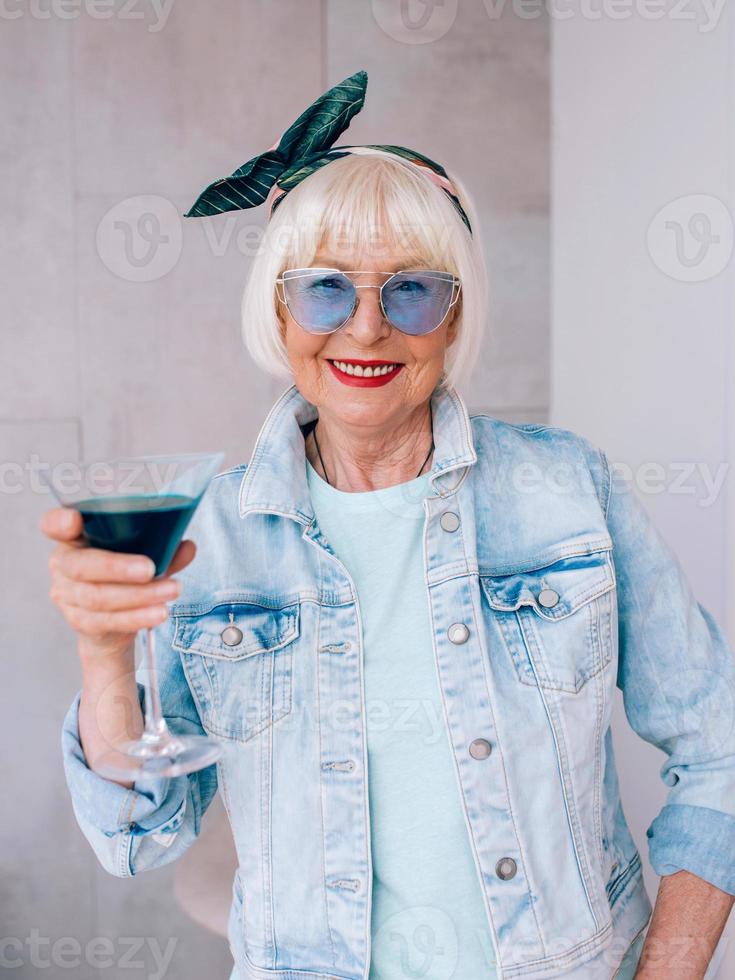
{"x": 374, "y": 205}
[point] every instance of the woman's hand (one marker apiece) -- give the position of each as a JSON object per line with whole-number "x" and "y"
{"x": 106, "y": 596}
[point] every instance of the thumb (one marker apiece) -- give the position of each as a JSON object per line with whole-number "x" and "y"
{"x": 183, "y": 556}
{"x": 61, "y": 523}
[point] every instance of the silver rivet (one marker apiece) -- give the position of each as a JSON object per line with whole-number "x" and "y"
{"x": 449, "y": 521}
{"x": 231, "y": 635}
{"x": 506, "y": 868}
{"x": 480, "y": 748}
{"x": 458, "y": 633}
{"x": 548, "y": 598}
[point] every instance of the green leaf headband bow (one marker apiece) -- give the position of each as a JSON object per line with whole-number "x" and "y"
{"x": 304, "y": 148}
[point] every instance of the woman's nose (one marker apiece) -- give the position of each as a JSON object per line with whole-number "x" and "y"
{"x": 367, "y": 320}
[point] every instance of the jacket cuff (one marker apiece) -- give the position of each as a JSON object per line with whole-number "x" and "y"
{"x": 696, "y": 839}
{"x": 155, "y": 804}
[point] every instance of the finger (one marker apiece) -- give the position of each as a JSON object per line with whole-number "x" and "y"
{"x": 99, "y": 624}
{"x": 98, "y": 565}
{"x": 103, "y": 597}
{"x": 183, "y": 555}
{"x": 61, "y": 523}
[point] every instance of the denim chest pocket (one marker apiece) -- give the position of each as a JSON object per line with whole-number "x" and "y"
{"x": 238, "y": 659}
{"x": 557, "y": 620}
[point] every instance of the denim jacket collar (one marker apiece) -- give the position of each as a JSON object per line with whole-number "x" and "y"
{"x": 275, "y": 481}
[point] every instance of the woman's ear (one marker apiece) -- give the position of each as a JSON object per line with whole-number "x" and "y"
{"x": 453, "y": 328}
{"x": 281, "y": 318}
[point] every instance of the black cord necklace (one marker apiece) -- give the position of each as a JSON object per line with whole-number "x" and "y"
{"x": 431, "y": 449}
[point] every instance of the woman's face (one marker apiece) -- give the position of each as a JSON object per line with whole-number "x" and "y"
{"x": 365, "y": 337}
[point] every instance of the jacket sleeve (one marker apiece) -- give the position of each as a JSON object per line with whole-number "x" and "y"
{"x": 133, "y": 830}
{"x": 677, "y": 676}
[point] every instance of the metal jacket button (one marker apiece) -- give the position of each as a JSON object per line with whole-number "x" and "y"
{"x": 231, "y": 635}
{"x": 506, "y": 868}
{"x": 480, "y": 748}
{"x": 449, "y": 520}
{"x": 458, "y": 633}
{"x": 548, "y": 598}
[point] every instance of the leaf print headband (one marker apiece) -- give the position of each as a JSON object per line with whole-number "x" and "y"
{"x": 304, "y": 148}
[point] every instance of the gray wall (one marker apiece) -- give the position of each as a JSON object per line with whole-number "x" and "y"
{"x": 120, "y": 328}
{"x": 643, "y": 360}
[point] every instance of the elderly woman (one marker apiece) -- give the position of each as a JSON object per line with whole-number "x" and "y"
{"x": 406, "y": 625}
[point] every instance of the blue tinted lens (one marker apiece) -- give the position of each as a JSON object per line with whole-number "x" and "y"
{"x": 319, "y": 300}
{"x": 416, "y": 302}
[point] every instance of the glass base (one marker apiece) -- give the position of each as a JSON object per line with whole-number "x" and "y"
{"x": 170, "y": 755}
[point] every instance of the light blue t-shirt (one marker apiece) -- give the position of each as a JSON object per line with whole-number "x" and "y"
{"x": 429, "y": 918}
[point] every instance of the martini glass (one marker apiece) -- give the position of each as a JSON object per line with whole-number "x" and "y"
{"x": 142, "y": 505}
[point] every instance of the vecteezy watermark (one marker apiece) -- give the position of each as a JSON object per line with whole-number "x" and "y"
{"x": 155, "y": 13}
{"x": 678, "y": 477}
{"x": 140, "y": 953}
{"x": 139, "y": 239}
{"x": 417, "y": 718}
{"x": 424, "y": 21}
{"x": 415, "y": 21}
{"x": 94, "y": 479}
{"x": 694, "y": 478}
{"x": 423, "y": 939}
{"x": 706, "y": 13}
{"x": 670, "y": 955}
{"x": 691, "y": 238}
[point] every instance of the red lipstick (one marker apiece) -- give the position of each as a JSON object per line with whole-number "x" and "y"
{"x": 354, "y": 381}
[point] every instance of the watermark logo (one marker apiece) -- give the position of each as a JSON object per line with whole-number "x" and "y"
{"x": 139, "y": 239}
{"x": 154, "y": 13}
{"x": 424, "y": 21}
{"x": 702, "y": 479}
{"x": 415, "y": 21}
{"x": 705, "y": 13}
{"x": 144, "y": 954}
{"x": 691, "y": 238}
{"x": 421, "y": 940}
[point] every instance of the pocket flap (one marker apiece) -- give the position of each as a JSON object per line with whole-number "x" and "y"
{"x": 263, "y": 629}
{"x": 556, "y": 590}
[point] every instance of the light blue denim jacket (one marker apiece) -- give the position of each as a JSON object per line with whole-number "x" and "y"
{"x": 566, "y": 589}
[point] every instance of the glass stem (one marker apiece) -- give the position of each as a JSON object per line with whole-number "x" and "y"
{"x": 155, "y": 724}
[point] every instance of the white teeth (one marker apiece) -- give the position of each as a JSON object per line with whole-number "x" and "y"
{"x": 368, "y": 372}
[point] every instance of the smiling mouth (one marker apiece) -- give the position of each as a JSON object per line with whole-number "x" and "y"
{"x": 366, "y": 369}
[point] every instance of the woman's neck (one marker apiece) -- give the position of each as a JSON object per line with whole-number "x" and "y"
{"x": 357, "y": 460}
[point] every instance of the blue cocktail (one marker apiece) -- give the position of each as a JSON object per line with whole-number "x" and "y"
{"x": 142, "y": 505}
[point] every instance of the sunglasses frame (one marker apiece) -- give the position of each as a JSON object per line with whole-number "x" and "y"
{"x": 437, "y": 273}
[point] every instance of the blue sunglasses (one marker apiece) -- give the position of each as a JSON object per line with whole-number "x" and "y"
{"x": 323, "y": 300}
